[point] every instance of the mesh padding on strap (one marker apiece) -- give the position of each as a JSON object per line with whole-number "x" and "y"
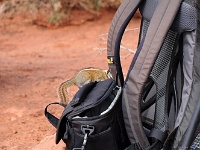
{"x": 186, "y": 18}
{"x": 196, "y": 144}
{"x": 190, "y": 2}
{"x": 195, "y": 137}
{"x": 160, "y": 74}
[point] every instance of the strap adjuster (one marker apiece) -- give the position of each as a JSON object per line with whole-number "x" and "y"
{"x": 87, "y": 130}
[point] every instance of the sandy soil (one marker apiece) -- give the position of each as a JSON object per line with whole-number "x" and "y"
{"x": 33, "y": 62}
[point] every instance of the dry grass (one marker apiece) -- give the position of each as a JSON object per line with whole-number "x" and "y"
{"x": 55, "y": 12}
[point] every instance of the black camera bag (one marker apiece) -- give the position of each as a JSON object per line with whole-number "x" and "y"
{"x": 93, "y": 120}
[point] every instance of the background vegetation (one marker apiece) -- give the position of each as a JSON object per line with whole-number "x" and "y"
{"x": 55, "y": 12}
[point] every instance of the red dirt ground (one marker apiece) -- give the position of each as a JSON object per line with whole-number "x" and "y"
{"x": 33, "y": 62}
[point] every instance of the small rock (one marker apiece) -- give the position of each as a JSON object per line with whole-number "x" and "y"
{"x": 13, "y": 118}
{"x": 15, "y": 132}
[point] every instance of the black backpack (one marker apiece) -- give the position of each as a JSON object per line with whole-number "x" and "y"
{"x": 93, "y": 119}
{"x": 161, "y": 93}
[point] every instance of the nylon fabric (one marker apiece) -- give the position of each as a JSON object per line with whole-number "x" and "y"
{"x": 196, "y": 144}
{"x": 121, "y": 19}
{"x": 194, "y": 94}
{"x": 147, "y": 9}
{"x": 99, "y": 92}
{"x": 185, "y": 19}
{"x": 165, "y": 12}
{"x": 160, "y": 76}
{"x": 189, "y": 43}
{"x": 188, "y": 137}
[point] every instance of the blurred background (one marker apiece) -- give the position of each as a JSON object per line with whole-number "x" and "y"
{"x": 53, "y": 12}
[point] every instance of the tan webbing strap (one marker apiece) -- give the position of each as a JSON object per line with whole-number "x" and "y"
{"x": 121, "y": 19}
{"x": 158, "y": 28}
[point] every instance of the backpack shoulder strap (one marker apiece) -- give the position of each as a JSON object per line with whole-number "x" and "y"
{"x": 138, "y": 75}
{"x": 158, "y": 28}
{"x": 121, "y": 19}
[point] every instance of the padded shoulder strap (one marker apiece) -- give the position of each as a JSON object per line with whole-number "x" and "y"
{"x": 138, "y": 75}
{"x": 121, "y": 19}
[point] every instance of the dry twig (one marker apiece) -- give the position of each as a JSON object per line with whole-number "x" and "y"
{"x": 103, "y": 44}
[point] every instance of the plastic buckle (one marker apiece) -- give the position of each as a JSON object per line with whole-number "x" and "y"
{"x": 87, "y": 130}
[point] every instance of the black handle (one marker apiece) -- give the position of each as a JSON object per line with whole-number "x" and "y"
{"x": 52, "y": 119}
